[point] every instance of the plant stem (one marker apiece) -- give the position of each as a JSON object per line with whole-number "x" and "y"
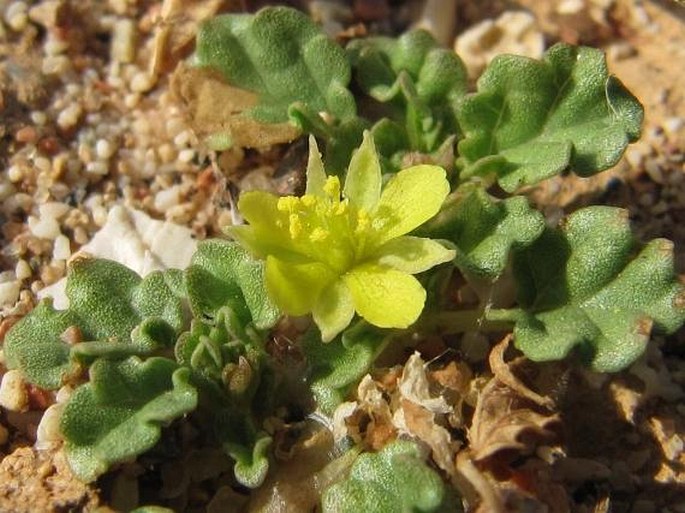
{"x": 460, "y": 321}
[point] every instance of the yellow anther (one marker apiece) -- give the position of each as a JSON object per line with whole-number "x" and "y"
{"x": 341, "y": 208}
{"x": 308, "y": 200}
{"x": 332, "y": 188}
{"x": 295, "y": 226}
{"x": 318, "y": 235}
{"x": 287, "y": 203}
{"x": 363, "y": 221}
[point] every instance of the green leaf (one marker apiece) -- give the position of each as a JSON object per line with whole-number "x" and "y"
{"x": 223, "y": 273}
{"x": 394, "y": 479}
{"x": 280, "y": 54}
{"x": 34, "y": 346}
{"x": 246, "y": 445}
{"x": 337, "y": 366}
{"x": 120, "y": 412}
{"x": 150, "y": 336}
{"x": 589, "y": 286}
{"x": 484, "y": 229}
{"x": 422, "y": 83}
{"x": 532, "y": 119}
{"x": 106, "y": 302}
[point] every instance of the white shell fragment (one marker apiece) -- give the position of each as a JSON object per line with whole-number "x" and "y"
{"x": 133, "y": 239}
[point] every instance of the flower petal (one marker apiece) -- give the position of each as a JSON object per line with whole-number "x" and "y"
{"x": 267, "y": 233}
{"x": 316, "y": 176}
{"x": 363, "y": 179}
{"x": 260, "y": 209}
{"x": 385, "y": 297}
{"x": 410, "y": 198}
{"x": 295, "y": 288}
{"x": 334, "y": 310}
{"x": 412, "y": 254}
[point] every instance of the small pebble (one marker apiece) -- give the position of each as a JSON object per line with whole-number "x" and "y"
{"x": 27, "y": 134}
{"x": 53, "y": 209}
{"x": 167, "y": 198}
{"x": 674, "y": 125}
{"x": 39, "y": 117}
{"x": 23, "y": 270}
{"x": 44, "y": 227}
{"x": 124, "y": 37}
{"x": 17, "y": 16}
{"x": 9, "y": 292}
{"x": 97, "y": 167}
{"x": 141, "y": 82}
{"x": 62, "y": 248}
{"x": 13, "y": 393}
{"x": 104, "y": 149}
{"x": 186, "y": 155}
{"x": 15, "y": 174}
{"x": 69, "y": 116}
{"x": 55, "y": 65}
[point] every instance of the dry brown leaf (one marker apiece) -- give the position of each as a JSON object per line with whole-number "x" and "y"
{"x": 502, "y": 371}
{"x": 177, "y": 28}
{"x": 504, "y": 421}
{"x": 421, "y": 423}
{"x": 368, "y": 421}
{"x": 421, "y": 413}
{"x": 215, "y": 110}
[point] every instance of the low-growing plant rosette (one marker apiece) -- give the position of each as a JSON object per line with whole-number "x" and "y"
{"x": 331, "y": 253}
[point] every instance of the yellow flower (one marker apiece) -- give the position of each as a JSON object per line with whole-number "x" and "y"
{"x": 332, "y": 253}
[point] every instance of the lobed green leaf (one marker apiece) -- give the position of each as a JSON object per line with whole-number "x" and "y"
{"x": 588, "y": 285}
{"x": 394, "y": 479}
{"x": 222, "y": 273}
{"x": 484, "y": 230}
{"x": 280, "y": 54}
{"x": 337, "y": 366}
{"x": 106, "y": 302}
{"x": 120, "y": 412}
{"x": 530, "y": 120}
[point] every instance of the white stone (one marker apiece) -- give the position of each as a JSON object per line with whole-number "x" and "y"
{"x": 53, "y": 209}
{"x": 13, "y": 393}
{"x": 44, "y": 227}
{"x": 167, "y": 198}
{"x": 124, "y": 36}
{"x": 104, "y": 149}
{"x": 69, "y": 116}
{"x": 9, "y": 292}
{"x": 62, "y": 248}
{"x": 23, "y": 270}
{"x": 141, "y": 82}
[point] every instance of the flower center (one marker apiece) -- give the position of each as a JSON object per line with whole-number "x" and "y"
{"x": 327, "y": 228}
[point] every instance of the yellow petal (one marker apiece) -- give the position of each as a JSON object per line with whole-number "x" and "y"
{"x": 295, "y": 288}
{"x": 316, "y": 176}
{"x": 363, "y": 179}
{"x": 334, "y": 310}
{"x": 260, "y": 208}
{"x": 412, "y": 254}
{"x": 410, "y": 198}
{"x": 385, "y": 297}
